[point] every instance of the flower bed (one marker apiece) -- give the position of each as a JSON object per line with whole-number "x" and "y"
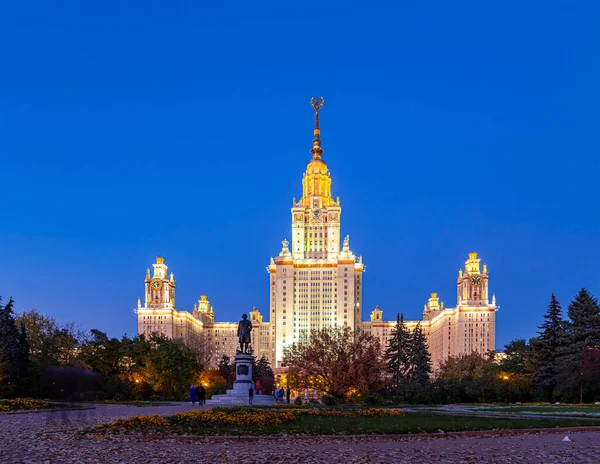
{"x": 22, "y": 404}
{"x": 228, "y": 418}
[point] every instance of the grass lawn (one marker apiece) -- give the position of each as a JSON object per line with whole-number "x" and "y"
{"x": 544, "y": 409}
{"x": 410, "y": 423}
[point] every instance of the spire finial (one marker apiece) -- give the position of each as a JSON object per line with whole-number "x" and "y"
{"x": 317, "y": 103}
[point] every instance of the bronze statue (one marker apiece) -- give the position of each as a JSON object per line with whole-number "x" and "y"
{"x": 244, "y": 329}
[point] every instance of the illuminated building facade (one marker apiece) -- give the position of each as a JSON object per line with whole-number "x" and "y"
{"x": 159, "y": 315}
{"x": 469, "y": 326}
{"x": 315, "y": 283}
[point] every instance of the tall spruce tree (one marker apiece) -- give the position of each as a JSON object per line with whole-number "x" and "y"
{"x": 546, "y": 349}
{"x": 397, "y": 353}
{"x": 582, "y": 333}
{"x": 419, "y": 358}
{"x": 14, "y": 352}
{"x": 584, "y": 315}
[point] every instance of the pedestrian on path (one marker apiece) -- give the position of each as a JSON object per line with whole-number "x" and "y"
{"x": 288, "y": 392}
{"x": 201, "y": 395}
{"x": 250, "y": 395}
{"x": 193, "y": 394}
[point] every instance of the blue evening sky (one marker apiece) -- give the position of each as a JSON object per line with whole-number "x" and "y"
{"x": 135, "y": 129}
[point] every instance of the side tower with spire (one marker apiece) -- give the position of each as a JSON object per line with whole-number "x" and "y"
{"x": 467, "y": 327}
{"x": 314, "y": 282}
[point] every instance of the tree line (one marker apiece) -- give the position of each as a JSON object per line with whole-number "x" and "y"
{"x": 41, "y": 358}
{"x": 562, "y": 363}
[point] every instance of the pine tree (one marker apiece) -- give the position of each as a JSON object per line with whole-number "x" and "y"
{"x": 397, "y": 353}
{"x": 546, "y": 349}
{"x": 582, "y": 333}
{"x": 14, "y": 351}
{"x": 419, "y": 358}
{"x": 584, "y": 315}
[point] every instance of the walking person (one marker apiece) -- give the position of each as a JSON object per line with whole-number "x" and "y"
{"x": 250, "y": 395}
{"x": 201, "y": 394}
{"x": 281, "y": 393}
{"x": 193, "y": 394}
{"x": 287, "y": 394}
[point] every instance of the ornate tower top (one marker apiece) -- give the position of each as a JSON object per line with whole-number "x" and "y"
{"x": 316, "y": 184}
{"x": 317, "y": 103}
{"x": 160, "y": 268}
{"x": 376, "y": 314}
{"x": 472, "y": 264}
{"x": 433, "y": 302}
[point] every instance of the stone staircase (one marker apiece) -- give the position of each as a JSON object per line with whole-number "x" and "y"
{"x": 235, "y": 397}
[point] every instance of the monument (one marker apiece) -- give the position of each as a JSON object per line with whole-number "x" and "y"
{"x": 244, "y": 329}
{"x": 244, "y": 360}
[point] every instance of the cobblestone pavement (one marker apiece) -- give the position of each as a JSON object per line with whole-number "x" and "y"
{"x": 48, "y": 438}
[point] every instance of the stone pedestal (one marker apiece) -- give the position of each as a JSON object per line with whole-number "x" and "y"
{"x": 238, "y": 395}
{"x": 243, "y": 372}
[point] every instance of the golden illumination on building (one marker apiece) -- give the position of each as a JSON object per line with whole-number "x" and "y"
{"x": 316, "y": 281}
{"x": 433, "y": 303}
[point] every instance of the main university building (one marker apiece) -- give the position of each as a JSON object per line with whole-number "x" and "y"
{"x": 314, "y": 282}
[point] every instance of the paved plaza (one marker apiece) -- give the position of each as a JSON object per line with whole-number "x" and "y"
{"x": 48, "y": 438}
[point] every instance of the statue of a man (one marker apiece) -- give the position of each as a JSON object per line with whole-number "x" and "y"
{"x": 244, "y": 329}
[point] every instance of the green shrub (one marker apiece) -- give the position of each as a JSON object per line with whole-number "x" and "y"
{"x": 393, "y": 400}
{"x": 329, "y": 400}
{"x": 357, "y": 396}
{"x": 373, "y": 398}
{"x": 313, "y": 401}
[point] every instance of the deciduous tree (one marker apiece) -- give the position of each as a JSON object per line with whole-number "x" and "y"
{"x": 227, "y": 369}
{"x": 517, "y": 357}
{"x": 172, "y": 367}
{"x": 335, "y": 360}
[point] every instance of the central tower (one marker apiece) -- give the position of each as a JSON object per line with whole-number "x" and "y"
{"x": 316, "y": 217}
{"x": 317, "y": 284}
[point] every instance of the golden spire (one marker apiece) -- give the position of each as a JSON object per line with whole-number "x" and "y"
{"x": 316, "y": 182}
{"x": 317, "y": 104}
